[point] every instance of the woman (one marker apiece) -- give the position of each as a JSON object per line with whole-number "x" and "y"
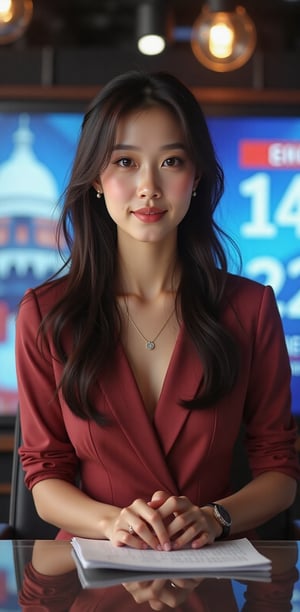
{"x": 137, "y": 368}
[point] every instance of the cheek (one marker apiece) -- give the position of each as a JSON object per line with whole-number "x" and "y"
{"x": 182, "y": 187}
{"x": 116, "y": 188}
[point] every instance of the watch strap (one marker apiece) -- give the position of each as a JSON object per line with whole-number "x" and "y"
{"x": 225, "y": 523}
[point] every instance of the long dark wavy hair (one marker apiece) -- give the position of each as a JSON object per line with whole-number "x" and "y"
{"x": 88, "y": 305}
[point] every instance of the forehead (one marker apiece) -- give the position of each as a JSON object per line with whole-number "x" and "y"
{"x": 156, "y": 124}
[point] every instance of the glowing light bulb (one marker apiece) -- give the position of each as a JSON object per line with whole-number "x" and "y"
{"x": 151, "y": 44}
{"x": 15, "y": 16}
{"x": 221, "y": 40}
{"x": 6, "y": 12}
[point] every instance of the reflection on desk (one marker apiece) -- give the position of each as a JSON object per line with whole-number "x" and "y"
{"x": 42, "y": 575}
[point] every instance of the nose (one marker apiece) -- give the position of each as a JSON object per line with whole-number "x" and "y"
{"x": 148, "y": 186}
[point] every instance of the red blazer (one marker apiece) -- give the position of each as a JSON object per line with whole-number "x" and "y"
{"x": 184, "y": 452}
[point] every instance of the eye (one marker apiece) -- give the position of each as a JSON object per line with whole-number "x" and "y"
{"x": 124, "y": 162}
{"x": 172, "y": 162}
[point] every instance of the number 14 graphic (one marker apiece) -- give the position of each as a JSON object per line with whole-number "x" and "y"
{"x": 263, "y": 225}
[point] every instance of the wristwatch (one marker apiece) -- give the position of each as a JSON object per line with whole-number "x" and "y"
{"x": 223, "y": 517}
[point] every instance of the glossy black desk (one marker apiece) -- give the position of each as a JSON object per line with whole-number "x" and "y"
{"x": 40, "y": 576}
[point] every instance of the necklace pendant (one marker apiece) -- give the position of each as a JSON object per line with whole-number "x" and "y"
{"x": 150, "y": 345}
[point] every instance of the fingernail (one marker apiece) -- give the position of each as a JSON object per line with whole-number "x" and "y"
{"x": 167, "y": 546}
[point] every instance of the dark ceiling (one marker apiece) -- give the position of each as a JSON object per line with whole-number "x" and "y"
{"x": 112, "y": 22}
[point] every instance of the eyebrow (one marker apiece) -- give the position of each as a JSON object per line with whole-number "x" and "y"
{"x": 166, "y": 147}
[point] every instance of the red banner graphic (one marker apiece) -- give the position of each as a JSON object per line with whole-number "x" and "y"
{"x": 268, "y": 154}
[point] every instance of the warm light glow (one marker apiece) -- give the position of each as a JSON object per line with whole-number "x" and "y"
{"x": 6, "y": 12}
{"x": 221, "y": 40}
{"x": 151, "y": 44}
{"x": 15, "y": 16}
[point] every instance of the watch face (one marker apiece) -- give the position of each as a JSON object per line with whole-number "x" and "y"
{"x": 223, "y": 515}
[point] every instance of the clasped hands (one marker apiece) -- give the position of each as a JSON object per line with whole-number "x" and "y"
{"x": 161, "y": 593}
{"x": 166, "y": 522}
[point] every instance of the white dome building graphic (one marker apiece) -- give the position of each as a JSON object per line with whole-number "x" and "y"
{"x": 28, "y": 250}
{"x": 28, "y": 210}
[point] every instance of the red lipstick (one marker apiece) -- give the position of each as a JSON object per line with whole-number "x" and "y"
{"x": 149, "y": 215}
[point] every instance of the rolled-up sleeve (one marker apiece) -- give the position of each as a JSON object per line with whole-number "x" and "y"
{"x": 271, "y": 428}
{"x": 46, "y": 450}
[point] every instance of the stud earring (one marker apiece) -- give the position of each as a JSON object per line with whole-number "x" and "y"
{"x": 99, "y": 194}
{"x": 194, "y": 193}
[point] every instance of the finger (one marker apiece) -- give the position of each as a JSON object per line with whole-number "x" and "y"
{"x": 189, "y": 584}
{"x": 158, "y": 498}
{"x": 146, "y": 590}
{"x": 123, "y": 537}
{"x": 158, "y": 593}
{"x": 203, "y": 539}
{"x": 155, "y": 503}
{"x": 190, "y": 527}
{"x": 171, "y": 596}
{"x": 156, "y": 605}
{"x": 147, "y": 525}
{"x": 161, "y": 496}
{"x": 174, "y": 505}
{"x": 191, "y": 518}
{"x": 153, "y": 532}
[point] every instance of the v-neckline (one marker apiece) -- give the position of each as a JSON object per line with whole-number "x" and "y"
{"x": 153, "y": 440}
{"x": 165, "y": 379}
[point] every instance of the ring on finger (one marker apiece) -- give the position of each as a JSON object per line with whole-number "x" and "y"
{"x": 130, "y": 529}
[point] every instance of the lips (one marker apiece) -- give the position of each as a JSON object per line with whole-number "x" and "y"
{"x": 149, "y": 215}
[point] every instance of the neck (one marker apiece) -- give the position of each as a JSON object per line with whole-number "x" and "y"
{"x": 148, "y": 270}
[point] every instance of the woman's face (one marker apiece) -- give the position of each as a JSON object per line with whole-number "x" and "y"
{"x": 150, "y": 177}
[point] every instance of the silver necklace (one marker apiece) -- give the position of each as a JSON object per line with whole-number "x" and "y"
{"x": 149, "y": 344}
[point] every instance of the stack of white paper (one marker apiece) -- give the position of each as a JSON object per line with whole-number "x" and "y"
{"x": 228, "y": 557}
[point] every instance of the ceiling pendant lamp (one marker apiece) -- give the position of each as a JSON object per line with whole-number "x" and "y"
{"x": 152, "y": 26}
{"x": 15, "y": 16}
{"x": 223, "y": 37}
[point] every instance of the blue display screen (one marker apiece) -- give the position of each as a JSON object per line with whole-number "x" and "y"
{"x": 260, "y": 210}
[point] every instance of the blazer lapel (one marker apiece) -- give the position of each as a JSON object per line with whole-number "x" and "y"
{"x": 182, "y": 380}
{"x": 125, "y": 402}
